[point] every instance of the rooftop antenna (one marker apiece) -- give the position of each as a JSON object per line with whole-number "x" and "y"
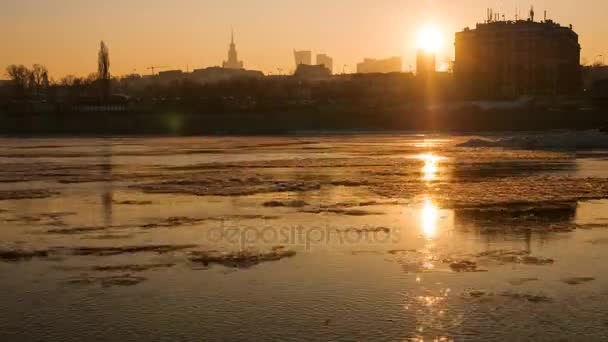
{"x": 516, "y": 16}
{"x": 545, "y": 15}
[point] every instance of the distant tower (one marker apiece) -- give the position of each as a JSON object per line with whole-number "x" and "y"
{"x": 303, "y": 57}
{"x": 325, "y": 60}
{"x": 233, "y": 61}
{"x": 425, "y": 63}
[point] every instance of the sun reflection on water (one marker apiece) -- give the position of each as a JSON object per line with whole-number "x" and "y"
{"x": 430, "y": 169}
{"x": 430, "y": 216}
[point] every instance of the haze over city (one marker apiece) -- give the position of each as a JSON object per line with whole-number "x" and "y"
{"x": 64, "y": 34}
{"x": 303, "y": 170}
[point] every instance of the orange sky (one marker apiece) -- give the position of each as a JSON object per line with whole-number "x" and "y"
{"x": 64, "y": 34}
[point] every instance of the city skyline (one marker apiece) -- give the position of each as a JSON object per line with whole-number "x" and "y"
{"x": 144, "y": 34}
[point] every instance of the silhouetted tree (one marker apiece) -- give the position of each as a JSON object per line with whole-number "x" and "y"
{"x": 34, "y": 81}
{"x": 103, "y": 70}
{"x": 38, "y": 79}
{"x": 68, "y": 80}
{"x": 20, "y": 75}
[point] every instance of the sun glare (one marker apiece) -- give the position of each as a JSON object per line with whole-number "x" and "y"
{"x": 430, "y": 39}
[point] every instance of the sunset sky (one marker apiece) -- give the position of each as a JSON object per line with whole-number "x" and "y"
{"x": 64, "y": 34}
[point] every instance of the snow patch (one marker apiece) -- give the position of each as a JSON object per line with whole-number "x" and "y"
{"x": 562, "y": 140}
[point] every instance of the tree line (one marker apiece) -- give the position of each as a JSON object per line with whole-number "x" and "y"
{"x": 34, "y": 82}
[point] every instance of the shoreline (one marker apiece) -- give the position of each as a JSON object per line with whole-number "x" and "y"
{"x": 308, "y": 122}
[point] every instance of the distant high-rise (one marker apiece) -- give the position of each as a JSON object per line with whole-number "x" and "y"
{"x": 425, "y": 62}
{"x": 303, "y": 57}
{"x": 233, "y": 61}
{"x": 502, "y": 58}
{"x": 326, "y": 61}
{"x": 371, "y": 65}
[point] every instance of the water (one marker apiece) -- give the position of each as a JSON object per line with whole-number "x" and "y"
{"x": 401, "y": 237}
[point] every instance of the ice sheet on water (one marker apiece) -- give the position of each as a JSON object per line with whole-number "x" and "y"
{"x": 534, "y": 189}
{"x": 556, "y": 140}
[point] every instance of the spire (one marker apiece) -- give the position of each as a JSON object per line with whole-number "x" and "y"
{"x": 233, "y": 61}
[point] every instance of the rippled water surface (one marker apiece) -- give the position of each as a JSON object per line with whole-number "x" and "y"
{"x": 346, "y": 238}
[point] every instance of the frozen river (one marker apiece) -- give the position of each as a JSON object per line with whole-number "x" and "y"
{"x": 342, "y": 238}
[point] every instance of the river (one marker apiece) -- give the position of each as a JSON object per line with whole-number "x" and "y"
{"x": 336, "y": 237}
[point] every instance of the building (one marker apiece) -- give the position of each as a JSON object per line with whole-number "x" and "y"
{"x": 593, "y": 73}
{"x": 302, "y": 57}
{"x": 425, "y": 62}
{"x": 599, "y": 93}
{"x": 370, "y": 65}
{"x": 170, "y": 76}
{"x": 233, "y": 60}
{"x": 312, "y": 72}
{"x": 515, "y": 58}
{"x": 326, "y": 61}
{"x": 216, "y": 74}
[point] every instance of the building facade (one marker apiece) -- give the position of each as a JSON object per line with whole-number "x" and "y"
{"x": 425, "y": 62}
{"x": 312, "y": 72}
{"x": 302, "y": 57}
{"x": 514, "y": 58}
{"x": 326, "y": 61}
{"x": 216, "y": 74}
{"x": 170, "y": 76}
{"x": 371, "y": 65}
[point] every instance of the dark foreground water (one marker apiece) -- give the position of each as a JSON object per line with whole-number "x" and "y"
{"x": 348, "y": 238}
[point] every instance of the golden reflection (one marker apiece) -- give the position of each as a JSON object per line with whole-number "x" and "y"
{"x": 427, "y": 265}
{"x": 429, "y": 170}
{"x": 430, "y": 216}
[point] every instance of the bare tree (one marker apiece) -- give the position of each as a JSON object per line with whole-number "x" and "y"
{"x": 103, "y": 70}
{"x": 38, "y": 78}
{"x": 68, "y": 80}
{"x": 20, "y": 75}
{"x": 39, "y": 74}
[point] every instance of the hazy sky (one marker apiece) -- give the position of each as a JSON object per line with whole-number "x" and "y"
{"x": 64, "y": 34}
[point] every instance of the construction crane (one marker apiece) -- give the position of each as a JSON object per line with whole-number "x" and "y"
{"x": 152, "y": 68}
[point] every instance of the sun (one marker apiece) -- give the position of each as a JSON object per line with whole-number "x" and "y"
{"x": 430, "y": 39}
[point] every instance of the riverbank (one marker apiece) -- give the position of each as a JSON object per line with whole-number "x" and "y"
{"x": 177, "y": 122}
